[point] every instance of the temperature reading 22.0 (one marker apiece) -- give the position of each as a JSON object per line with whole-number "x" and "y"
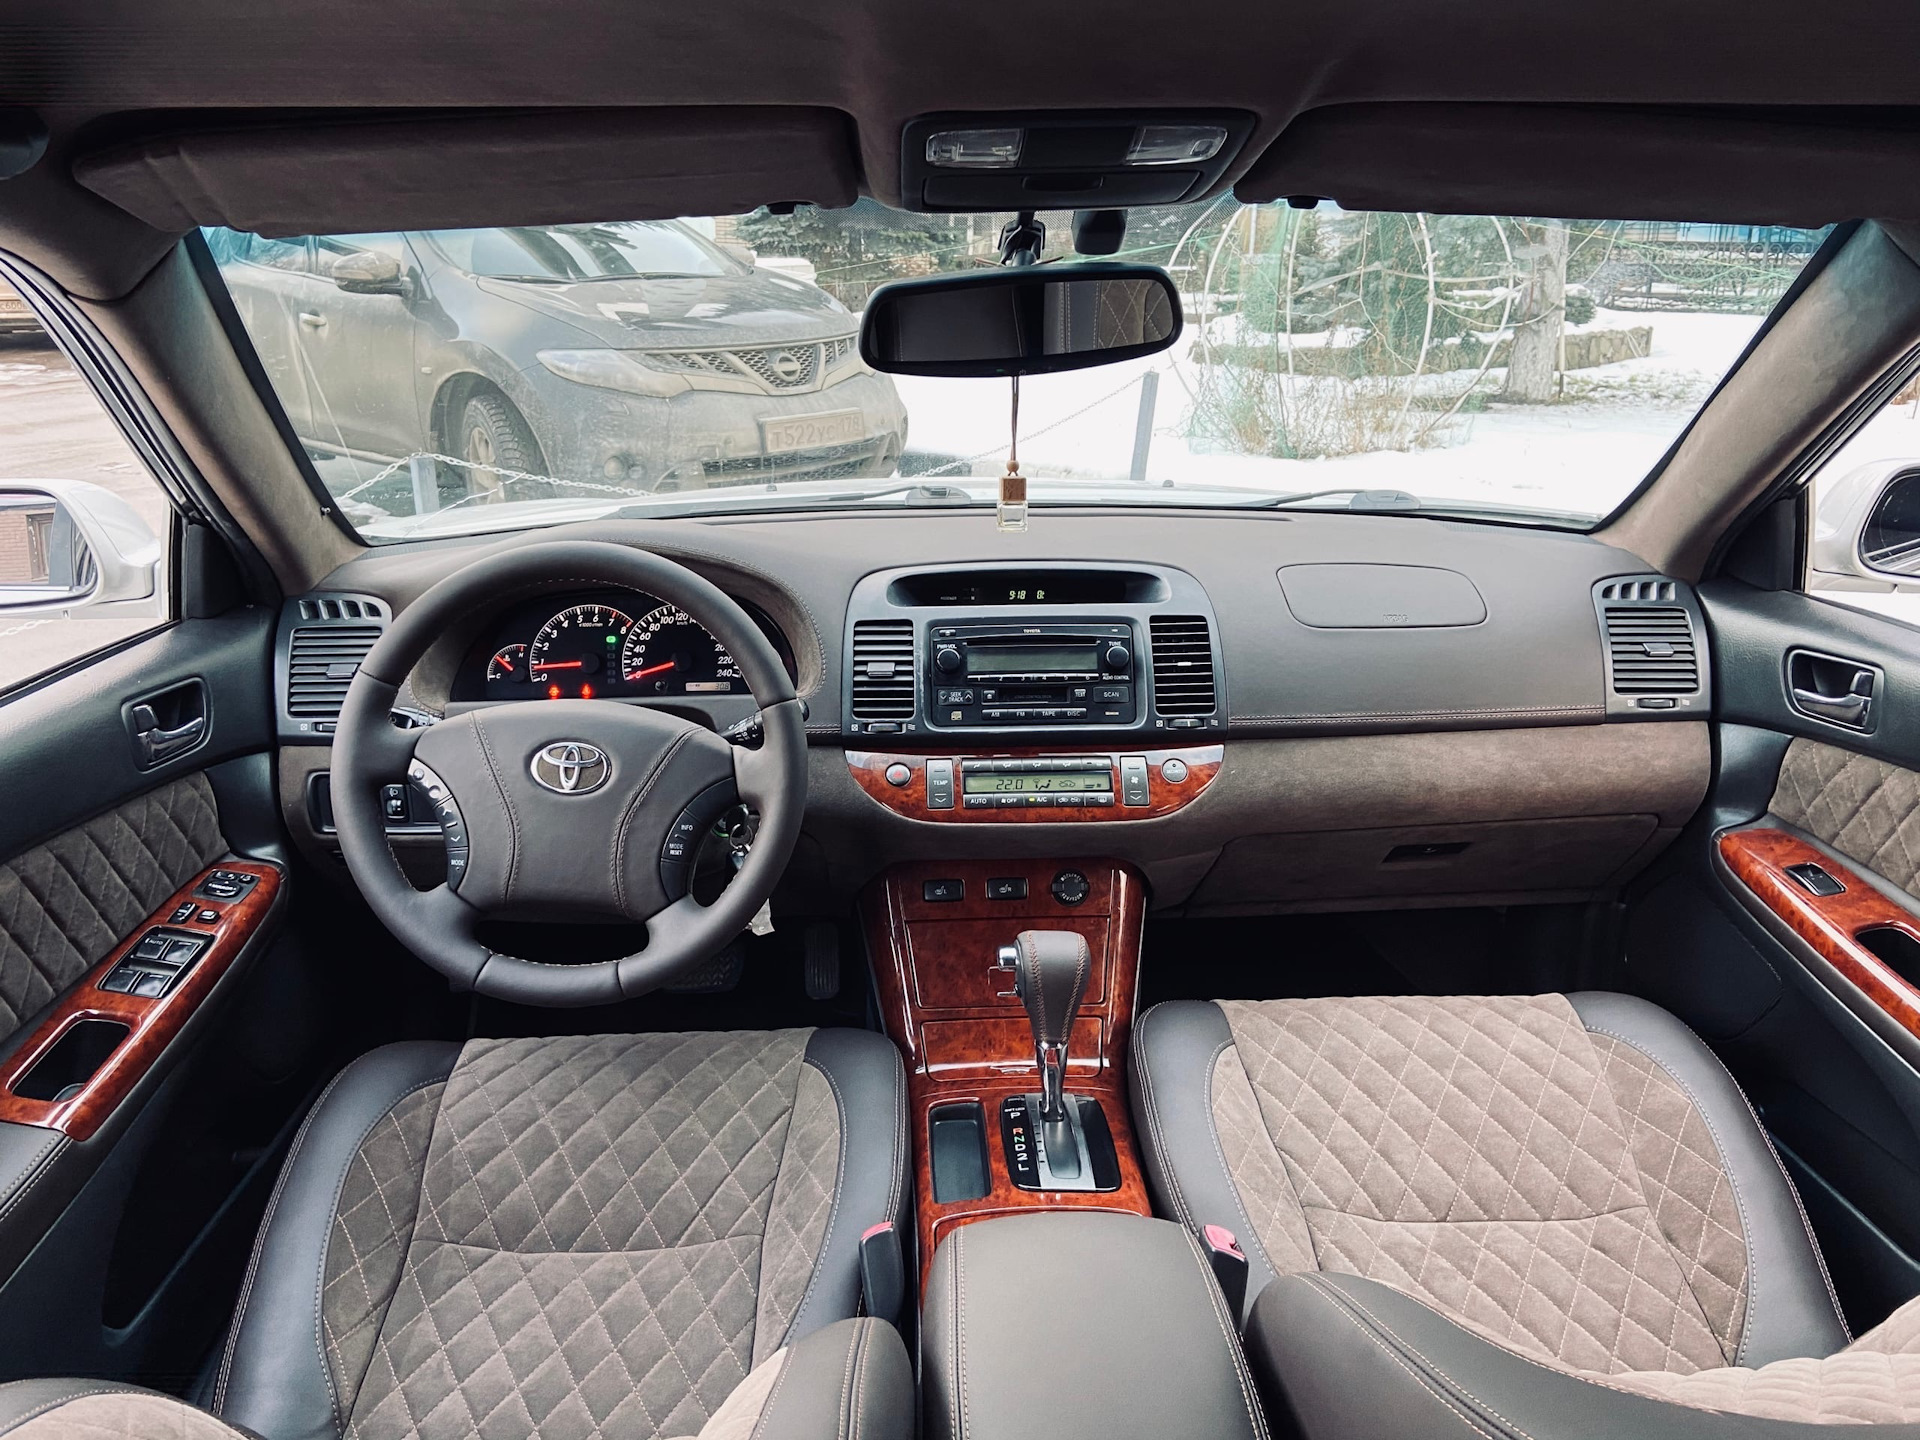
{"x": 668, "y": 652}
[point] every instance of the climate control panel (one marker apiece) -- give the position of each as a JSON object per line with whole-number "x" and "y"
{"x": 1038, "y": 786}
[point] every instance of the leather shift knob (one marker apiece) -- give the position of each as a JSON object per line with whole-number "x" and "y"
{"x": 1052, "y": 968}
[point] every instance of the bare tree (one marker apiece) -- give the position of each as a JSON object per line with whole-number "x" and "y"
{"x": 1535, "y": 357}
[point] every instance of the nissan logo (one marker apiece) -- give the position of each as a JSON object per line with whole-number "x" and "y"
{"x": 571, "y": 767}
{"x": 787, "y": 367}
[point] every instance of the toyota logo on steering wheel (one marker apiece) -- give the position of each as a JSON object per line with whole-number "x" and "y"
{"x": 571, "y": 767}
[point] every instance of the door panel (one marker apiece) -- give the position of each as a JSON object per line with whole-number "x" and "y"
{"x": 1733, "y": 946}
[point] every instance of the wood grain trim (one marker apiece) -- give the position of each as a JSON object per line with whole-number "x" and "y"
{"x": 1203, "y": 762}
{"x": 1004, "y": 1197}
{"x": 151, "y": 1024}
{"x": 1830, "y": 924}
{"x": 983, "y": 1049}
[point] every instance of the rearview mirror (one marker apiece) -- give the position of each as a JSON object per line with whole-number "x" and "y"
{"x": 1028, "y": 320}
{"x": 1866, "y": 532}
{"x": 368, "y": 272}
{"x": 66, "y": 545}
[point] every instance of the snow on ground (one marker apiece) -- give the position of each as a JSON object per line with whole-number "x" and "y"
{"x": 1583, "y": 454}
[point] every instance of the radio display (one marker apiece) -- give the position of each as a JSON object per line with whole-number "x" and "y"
{"x": 1032, "y": 660}
{"x": 1032, "y": 784}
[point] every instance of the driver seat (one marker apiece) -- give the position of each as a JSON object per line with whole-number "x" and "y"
{"x": 621, "y": 1235}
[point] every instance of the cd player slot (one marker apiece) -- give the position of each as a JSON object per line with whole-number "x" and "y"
{"x": 1071, "y": 673}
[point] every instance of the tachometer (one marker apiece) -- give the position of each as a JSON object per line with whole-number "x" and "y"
{"x": 575, "y": 651}
{"x": 668, "y": 652}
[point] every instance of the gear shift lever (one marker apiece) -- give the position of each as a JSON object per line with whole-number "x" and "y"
{"x": 1050, "y": 976}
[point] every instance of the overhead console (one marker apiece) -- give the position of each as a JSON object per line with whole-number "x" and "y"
{"x": 1037, "y": 651}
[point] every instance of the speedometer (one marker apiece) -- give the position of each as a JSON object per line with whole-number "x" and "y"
{"x": 576, "y": 651}
{"x": 668, "y": 652}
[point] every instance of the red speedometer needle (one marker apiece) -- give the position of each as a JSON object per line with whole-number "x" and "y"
{"x": 651, "y": 670}
{"x": 557, "y": 664}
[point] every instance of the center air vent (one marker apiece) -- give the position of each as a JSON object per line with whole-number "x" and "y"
{"x": 1182, "y": 665}
{"x": 883, "y": 674}
{"x": 1652, "y": 634}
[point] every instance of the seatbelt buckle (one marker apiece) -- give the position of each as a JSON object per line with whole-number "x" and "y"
{"x": 1229, "y": 1263}
{"x": 883, "y": 1273}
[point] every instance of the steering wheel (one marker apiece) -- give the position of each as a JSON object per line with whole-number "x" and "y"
{"x": 571, "y": 809}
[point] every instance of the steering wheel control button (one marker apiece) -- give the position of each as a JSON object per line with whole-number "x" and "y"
{"x": 453, "y": 826}
{"x": 393, "y": 802}
{"x": 899, "y": 774}
{"x": 688, "y": 833}
{"x": 1007, "y": 888}
{"x": 571, "y": 767}
{"x": 940, "y": 784}
{"x": 1133, "y": 780}
{"x": 1174, "y": 771}
{"x": 943, "y": 891}
{"x": 1070, "y": 887}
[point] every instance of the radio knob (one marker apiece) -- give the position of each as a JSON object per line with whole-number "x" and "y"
{"x": 948, "y": 658}
{"x": 1118, "y": 656}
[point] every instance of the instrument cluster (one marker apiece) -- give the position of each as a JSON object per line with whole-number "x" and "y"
{"x": 607, "y": 644}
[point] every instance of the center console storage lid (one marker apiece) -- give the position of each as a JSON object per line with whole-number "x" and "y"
{"x": 1079, "y": 1325}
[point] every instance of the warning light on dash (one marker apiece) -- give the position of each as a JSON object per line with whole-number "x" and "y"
{"x": 553, "y": 692}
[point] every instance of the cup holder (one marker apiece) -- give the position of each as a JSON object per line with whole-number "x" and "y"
{"x": 71, "y": 1061}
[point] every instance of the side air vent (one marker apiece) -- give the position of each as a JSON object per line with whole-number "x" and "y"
{"x": 323, "y": 639}
{"x": 883, "y": 673}
{"x": 1182, "y": 665}
{"x": 1654, "y": 640}
{"x": 1637, "y": 591}
{"x": 1652, "y": 650}
{"x": 321, "y": 661}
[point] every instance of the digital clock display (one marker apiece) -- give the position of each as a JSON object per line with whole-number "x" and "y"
{"x": 1037, "y": 784}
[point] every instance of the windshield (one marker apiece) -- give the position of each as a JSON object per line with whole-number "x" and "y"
{"x": 583, "y": 252}
{"x": 1525, "y": 370}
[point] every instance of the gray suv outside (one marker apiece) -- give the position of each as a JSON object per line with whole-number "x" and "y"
{"x": 637, "y": 356}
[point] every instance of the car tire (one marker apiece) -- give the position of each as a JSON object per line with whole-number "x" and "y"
{"x": 492, "y": 433}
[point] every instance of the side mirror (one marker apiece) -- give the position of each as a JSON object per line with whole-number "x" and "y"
{"x": 368, "y": 272}
{"x": 1866, "y": 532}
{"x": 66, "y": 546}
{"x": 1025, "y": 320}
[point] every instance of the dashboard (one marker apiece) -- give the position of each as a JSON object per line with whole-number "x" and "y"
{"x": 602, "y": 644}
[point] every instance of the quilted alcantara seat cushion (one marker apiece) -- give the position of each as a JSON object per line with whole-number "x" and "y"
{"x": 1571, "y": 1182}
{"x": 599, "y": 1235}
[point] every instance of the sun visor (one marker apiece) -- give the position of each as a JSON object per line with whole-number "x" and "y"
{"x": 447, "y": 172}
{"x": 1741, "y": 166}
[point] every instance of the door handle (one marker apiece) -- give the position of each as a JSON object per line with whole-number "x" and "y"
{"x": 1833, "y": 689}
{"x": 313, "y": 320}
{"x": 157, "y": 745}
{"x": 1840, "y": 709}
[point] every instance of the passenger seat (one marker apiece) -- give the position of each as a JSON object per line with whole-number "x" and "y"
{"x": 1541, "y": 1216}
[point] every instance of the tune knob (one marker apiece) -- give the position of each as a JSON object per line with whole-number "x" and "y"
{"x": 948, "y": 659}
{"x": 1118, "y": 656}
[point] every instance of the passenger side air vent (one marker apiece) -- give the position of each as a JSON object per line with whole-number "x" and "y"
{"x": 1182, "y": 665}
{"x": 883, "y": 671}
{"x": 324, "y": 638}
{"x": 1652, "y": 633}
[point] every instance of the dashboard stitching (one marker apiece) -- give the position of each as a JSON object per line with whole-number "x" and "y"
{"x": 618, "y": 860}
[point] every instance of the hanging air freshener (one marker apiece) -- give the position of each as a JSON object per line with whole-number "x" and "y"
{"x": 1012, "y": 512}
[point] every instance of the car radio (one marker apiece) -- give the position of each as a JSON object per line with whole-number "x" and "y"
{"x": 1068, "y": 673}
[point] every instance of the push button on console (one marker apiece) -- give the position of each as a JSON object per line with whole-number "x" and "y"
{"x": 943, "y": 890}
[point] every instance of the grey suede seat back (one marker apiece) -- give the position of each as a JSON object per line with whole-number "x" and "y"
{"x": 564, "y": 1238}
{"x": 1571, "y": 1182}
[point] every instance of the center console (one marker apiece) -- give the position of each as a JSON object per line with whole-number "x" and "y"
{"x": 1009, "y": 987}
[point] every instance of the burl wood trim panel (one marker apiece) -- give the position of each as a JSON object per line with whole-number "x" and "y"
{"x": 973, "y": 1045}
{"x": 151, "y": 1024}
{"x": 1759, "y": 859}
{"x": 1203, "y": 763}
